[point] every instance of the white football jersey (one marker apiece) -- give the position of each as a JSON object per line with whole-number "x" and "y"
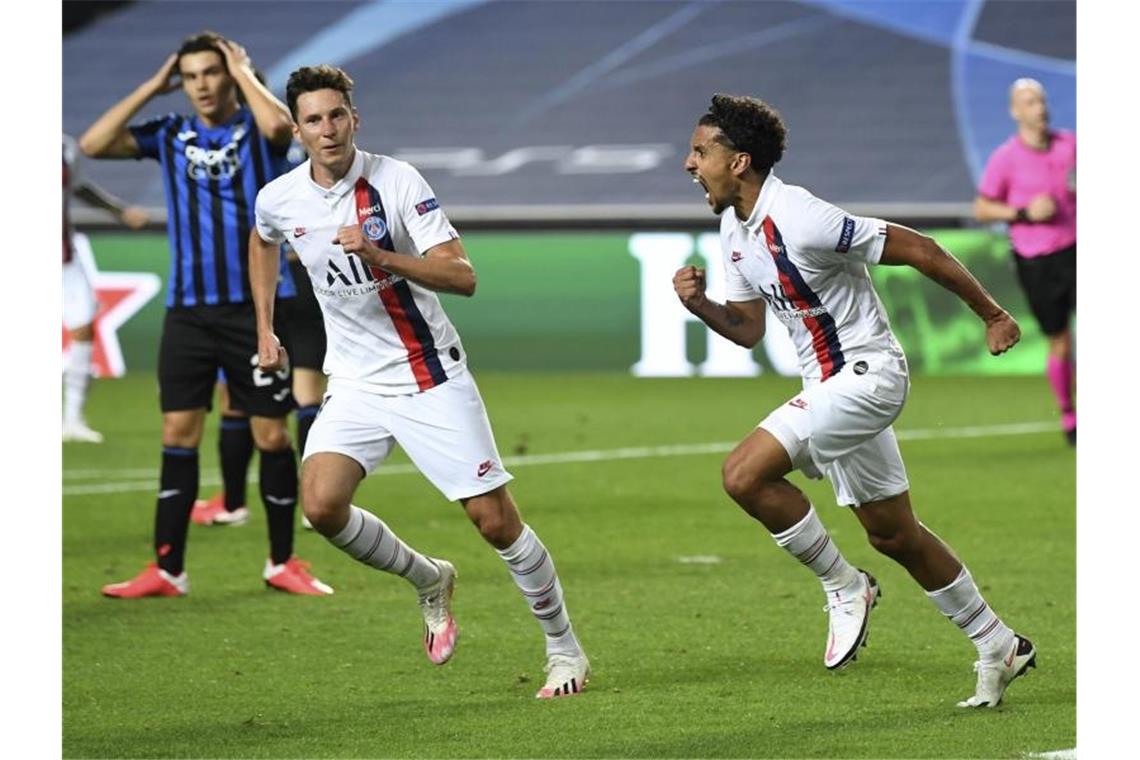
{"x": 386, "y": 334}
{"x": 808, "y": 260}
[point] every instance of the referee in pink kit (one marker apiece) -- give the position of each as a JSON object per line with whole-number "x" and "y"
{"x": 1030, "y": 182}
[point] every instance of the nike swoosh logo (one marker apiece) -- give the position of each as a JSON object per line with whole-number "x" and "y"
{"x": 831, "y": 647}
{"x": 1012, "y": 652}
{"x": 284, "y": 502}
{"x": 168, "y": 493}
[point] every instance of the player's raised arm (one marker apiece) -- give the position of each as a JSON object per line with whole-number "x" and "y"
{"x": 444, "y": 267}
{"x": 109, "y": 137}
{"x": 906, "y": 246}
{"x": 264, "y": 265}
{"x": 271, "y": 115}
{"x": 742, "y": 322}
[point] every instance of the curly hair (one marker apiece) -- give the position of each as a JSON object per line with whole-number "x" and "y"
{"x": 750, "y": 126}
{"x": 313, "y": 78}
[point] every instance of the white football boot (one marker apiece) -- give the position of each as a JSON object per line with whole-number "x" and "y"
{"x": 849, "y": 612}
{"x": 566, "y": 675}
{"x": 995, "y": 677}
{"x": 76, "y": 431}
{"x": 440, "y": 629}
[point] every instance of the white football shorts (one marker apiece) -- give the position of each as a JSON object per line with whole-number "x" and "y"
{"x": 842, "y": 429}
{"x": 444, "y": 430}
{"x": 79, "y": 304}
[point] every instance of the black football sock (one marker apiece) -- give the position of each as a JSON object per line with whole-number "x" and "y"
{"x": 235, "y": 450}
{"x": 176, "y": 494}
{"x": 305, "y": 417}
{"x": 279, "y": 494}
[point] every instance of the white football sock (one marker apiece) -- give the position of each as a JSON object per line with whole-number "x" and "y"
{"x": 963, "y": 604}
{"x": 808, "y": 542}
{"x": 368, "y": 539}
{"x": 76, "y": 376}
{"x": 533, "y": 570}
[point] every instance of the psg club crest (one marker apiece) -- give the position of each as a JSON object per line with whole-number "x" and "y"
{"x": 374, "y": 228}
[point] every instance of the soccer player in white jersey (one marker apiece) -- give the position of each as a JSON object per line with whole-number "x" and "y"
{"x": 807, "y": 260}
{"x": 377, "y": 247}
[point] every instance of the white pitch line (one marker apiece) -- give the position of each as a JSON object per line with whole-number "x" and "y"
{"x": 563, "y": 457}
{"x": 1057, "y": 754}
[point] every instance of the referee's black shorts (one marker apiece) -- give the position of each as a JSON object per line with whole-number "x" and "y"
{"x": 1050, "y": 284}
{"x": 304, "y": 335}
{"x": 197, "y": 341}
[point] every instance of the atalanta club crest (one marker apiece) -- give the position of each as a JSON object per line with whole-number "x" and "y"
{"x": 374, "y": 228}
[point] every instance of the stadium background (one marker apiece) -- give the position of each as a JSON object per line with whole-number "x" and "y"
{"x": 553, "y": 134}
{"x": 561, "y": 120}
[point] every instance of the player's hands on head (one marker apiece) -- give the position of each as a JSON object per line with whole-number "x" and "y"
{"x": 235, "y": 55}
{"x": 689, "y": 284}
{"x": 1002, "y": 333}
{"x": 271, "y": 355}
{"x": 166, "y": 79}
{"x": 1041, "y": 208}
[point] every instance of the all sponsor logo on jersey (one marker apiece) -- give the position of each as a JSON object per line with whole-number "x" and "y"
{"x": 431, "y": 204}
{"x": 354, "y": 278}
{"x": 786, "y": 311}
{"x": 375, "y": 228}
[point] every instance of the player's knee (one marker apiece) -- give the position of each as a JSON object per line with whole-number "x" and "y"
{"x": 271, "y": 435}
{"x": 740, "y": 482}
{"x": 326, "y": 510}
{"x": 496, "y": 520}
{"x": 181, "y": 431}
{"x": 896, "y": 543}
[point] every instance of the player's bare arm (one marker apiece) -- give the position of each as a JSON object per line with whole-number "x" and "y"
{"x": 1041, "y": 209}
{"x": 109, "y": 137}
{"x": 906, "y": 246}
{"x": 742, "y": 322}
{"x": 271, "y": 114}
{"x": 444, "y": 268}
{"x": 134, "y": 217}
{"x": 264, "y": 265}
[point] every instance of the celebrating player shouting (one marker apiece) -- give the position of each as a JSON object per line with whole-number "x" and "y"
{"x": 805, "y": 259}
{"x": 377, "y": 246}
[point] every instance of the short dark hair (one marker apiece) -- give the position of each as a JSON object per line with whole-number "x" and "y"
{"x": 750, "y": 126}
{"x": 313, "y": 78}
{"x": 203, "y": 42}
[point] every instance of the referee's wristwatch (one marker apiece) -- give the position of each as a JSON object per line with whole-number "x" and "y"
{"x": 1022, "y": 215}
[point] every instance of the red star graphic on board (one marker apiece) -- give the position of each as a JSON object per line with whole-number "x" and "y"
{"x": 120, "y": 296}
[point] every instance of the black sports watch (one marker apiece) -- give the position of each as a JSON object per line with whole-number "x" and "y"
{"x": 1022, "y": 215}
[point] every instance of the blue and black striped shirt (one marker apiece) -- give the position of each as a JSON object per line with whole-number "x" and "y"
{"x": 212, "y": 176}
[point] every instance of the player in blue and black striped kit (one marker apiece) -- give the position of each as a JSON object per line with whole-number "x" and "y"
{"x": 214, "y": 161}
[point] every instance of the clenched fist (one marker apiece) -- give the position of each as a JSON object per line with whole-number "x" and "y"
{"x": 689, "y": 284}
{"x": 1002, "y": 333}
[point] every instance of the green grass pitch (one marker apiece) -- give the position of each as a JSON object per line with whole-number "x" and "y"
{"x": 690, "y": 660}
